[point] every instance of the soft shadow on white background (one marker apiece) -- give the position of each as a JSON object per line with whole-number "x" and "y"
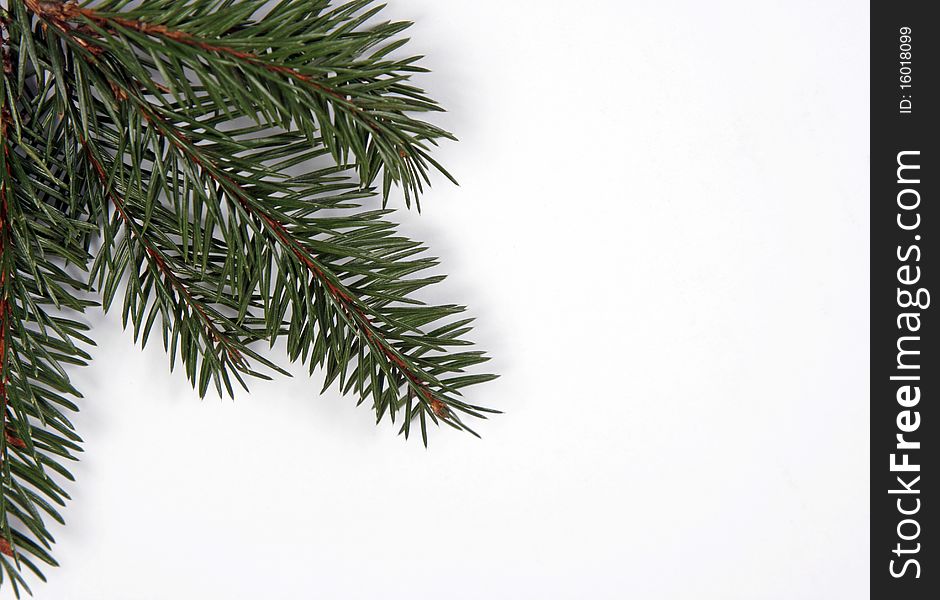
{"x": 662, "y": 227}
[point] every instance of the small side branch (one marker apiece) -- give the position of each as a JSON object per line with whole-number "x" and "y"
{"x": 159, "y": 264}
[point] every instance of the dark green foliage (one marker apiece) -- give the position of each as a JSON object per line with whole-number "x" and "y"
{"x": 208, "y": 164}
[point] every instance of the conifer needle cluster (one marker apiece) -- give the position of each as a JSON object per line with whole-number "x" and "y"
{"x": 218, "y": 171}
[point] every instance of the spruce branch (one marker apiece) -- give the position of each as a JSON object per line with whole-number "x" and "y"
{"x": 209, "y": 164}
{"x": 313, "y": 72}
{"x": 42, "y": 231}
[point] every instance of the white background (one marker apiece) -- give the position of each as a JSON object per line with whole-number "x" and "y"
{"x": 662, "y": 227}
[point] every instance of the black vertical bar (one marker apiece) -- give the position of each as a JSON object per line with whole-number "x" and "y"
{"x": 905, "y": 169}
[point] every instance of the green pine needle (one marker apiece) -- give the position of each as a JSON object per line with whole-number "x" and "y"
{"x": 175, "y": 140}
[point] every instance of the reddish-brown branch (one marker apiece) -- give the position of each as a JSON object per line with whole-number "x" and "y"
{"x": 157, "y": 259}
{"x": 12, "y": 439}
{"x": 61, "y": 14}
{"x": 5, "y": 244}
{"x": 340, "y": 296}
